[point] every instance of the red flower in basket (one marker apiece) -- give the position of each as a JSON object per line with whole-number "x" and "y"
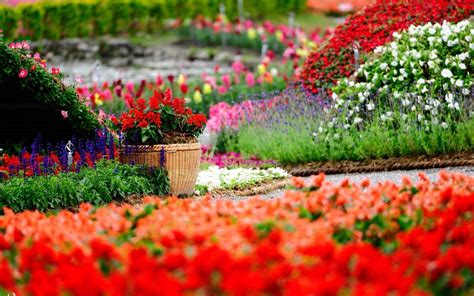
{"x": 162, "y": 119}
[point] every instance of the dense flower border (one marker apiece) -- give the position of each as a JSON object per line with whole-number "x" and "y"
{"x": 323, "y": 239}
{"x": 42, "y": 161}
{"x": 373, "y": 27}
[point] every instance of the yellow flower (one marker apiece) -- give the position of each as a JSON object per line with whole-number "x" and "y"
{"x": 301, "y": 52}
{"x": 197, "y": 97}
{"x": 279, "y": 35}
{"x": 207, "y": 88}
{"x": 261, "y": 68}
{"x": 97, "y": 100}
{"x": 252, "y": 33}
{"x": 181, "y": 79}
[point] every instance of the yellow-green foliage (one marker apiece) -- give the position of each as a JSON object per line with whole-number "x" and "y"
{"x": 86, "y": 18}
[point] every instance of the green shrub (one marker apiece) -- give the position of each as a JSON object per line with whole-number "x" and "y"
{"x": 109, "y": 181}
{"x": 81, "y": 18}
{"x": 8, "y": 20}
{"x": 47, "y": 88}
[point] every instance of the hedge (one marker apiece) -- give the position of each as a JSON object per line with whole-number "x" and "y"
{"x": 89, "y": 18}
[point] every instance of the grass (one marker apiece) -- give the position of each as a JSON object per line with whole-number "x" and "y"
{"x": 308, "y": 20}
{"x": 295, "y": 144}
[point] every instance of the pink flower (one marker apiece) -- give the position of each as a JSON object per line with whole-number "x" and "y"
{"x": 216, "y": 68}
{"x": 64, "y": 114}
{"x": 226, "y": 80}
{"x": 238, "y": 67}
{"x": 55, "y": 71}
{"x": 23, "y": 73}
{"x": 222, "y": 89}
{"x": 102, "y": 115}
{"x": 159, "y": 80}
{"x": 36, "y": 56}
{"x": 107, "y": 94}
{"x": 236, "y": 79}
{"x": 130, "y": 87}
{"x": 79, "y": 79}
{"x": 250, "y": 79}
{"x": 118, "y": 90}
{"x": 25, "y": 45}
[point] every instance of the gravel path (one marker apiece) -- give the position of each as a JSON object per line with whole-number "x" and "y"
{"x": 375, "y": 177}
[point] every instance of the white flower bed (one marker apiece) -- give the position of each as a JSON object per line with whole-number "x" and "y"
{"x": 420, "y": 75}
{"x": 237, "y": 178}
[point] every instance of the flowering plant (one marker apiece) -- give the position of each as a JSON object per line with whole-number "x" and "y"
{"x": 413, "y": 238}
{"x": 161, "y": 120}
{"x": 373, "y": 27}
{"x": 235, "y": 178}
{"x": 421, "y": 65}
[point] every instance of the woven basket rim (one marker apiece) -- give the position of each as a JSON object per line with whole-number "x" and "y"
{"x": 166, "y": 147}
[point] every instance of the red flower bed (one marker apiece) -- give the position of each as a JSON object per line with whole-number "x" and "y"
{"x": 372, "y": 27}
{"x": 321, "y": 240}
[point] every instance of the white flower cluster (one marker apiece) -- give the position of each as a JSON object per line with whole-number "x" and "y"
{"x": 419, "y": 68}
{"x": 224, "y": 178}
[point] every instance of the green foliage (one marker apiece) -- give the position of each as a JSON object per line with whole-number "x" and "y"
{"x": 296, "y": 144}
{"x": 236, "y": 94}
{"x": 109, "y": 181}
{"x": 47, "y": 88}
{"x": 81, "y": 18}
{"x": 209, "y": 37}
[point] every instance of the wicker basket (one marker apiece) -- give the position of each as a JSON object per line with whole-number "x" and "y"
{"x": 180, "y": 160}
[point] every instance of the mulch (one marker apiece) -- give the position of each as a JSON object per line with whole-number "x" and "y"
{"x": 379, "y": 165}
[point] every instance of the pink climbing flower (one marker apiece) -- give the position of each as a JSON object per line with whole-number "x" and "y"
{"x": 23, "y": 73}
{"x": 55, "y": 71}
{"x": 64, "y": 114}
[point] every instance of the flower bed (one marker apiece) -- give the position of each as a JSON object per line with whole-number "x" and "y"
{"x": 372, "y": 27}
{"x": 248, "y": 34}
{"x": 105, "y": 182}
{"x": 215, "y": 178}
{"x": 233, "y": 159}
{"x": 425, "y": 70}
{"x": 325, "y": 239}
{"x": 43, "y": 159}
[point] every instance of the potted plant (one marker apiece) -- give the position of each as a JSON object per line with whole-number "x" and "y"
{"x": 163, "y": 132}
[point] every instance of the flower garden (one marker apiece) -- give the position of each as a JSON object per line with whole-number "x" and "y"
{"x": 191, "y": 184}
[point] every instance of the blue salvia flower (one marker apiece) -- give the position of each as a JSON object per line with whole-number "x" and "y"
{"x": 111, "y": 146}
{"x": 162, "y": 157}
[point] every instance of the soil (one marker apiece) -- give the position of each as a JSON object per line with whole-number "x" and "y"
{"x": 390, "y": 164}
